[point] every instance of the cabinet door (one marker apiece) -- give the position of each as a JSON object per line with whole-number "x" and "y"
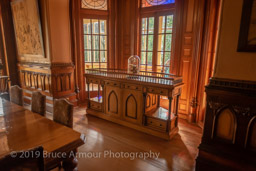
{"x": 113, "y": 102}
{"x": 132, "y": 105}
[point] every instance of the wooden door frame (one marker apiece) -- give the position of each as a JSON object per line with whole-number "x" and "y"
{"x": 209, "y": 41}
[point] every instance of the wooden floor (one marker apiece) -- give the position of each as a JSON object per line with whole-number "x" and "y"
{"x": 104, "y": 136}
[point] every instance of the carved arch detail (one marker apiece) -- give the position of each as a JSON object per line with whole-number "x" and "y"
{"x": 131, "y": 107}
{"x": 113, "y": 102}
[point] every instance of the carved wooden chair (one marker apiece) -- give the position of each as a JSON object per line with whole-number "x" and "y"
{"x": 4, "y": 91}
{"x": 38, "y": 104}
{"x": 17, "y": 161}
{"x": 16, "y": 95}
{"x": 63, "y": 112}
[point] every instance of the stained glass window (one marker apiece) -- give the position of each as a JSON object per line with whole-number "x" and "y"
{"x": 149, "y": 3}
{"x": 94, "y": 4}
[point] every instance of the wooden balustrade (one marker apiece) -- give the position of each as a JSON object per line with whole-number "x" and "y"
{"x": 53, "y": 80}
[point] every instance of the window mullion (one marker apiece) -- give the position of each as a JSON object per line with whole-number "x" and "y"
{"x": 99, "y": 42}
{"x": 164, "y": 42}
{"x": 155, "y": 43}
{"x": 146, "y": 50}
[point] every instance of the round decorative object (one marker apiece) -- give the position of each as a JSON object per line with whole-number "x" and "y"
{"x": 95, "y": 4}
{"x": 156, "y": 2}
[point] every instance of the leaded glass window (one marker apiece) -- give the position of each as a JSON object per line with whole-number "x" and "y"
{"x": 149, "y": 3}
{"x": 94, "y": 4}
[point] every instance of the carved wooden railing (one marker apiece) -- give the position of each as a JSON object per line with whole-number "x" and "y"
{"x": 36, "y": 80}
{"x": 55, "y": 80}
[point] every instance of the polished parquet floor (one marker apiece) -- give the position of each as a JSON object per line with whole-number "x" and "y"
{"x": 107, "y": 141}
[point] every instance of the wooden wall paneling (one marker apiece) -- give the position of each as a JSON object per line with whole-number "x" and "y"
{"x": 197, "y": 58}
{"x": 190, "y": 59}
{"x": 8, "y": 40}
{"x": 186, "y": 56}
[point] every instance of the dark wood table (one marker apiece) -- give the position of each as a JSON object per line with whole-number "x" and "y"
{"x": 21, "y": 129}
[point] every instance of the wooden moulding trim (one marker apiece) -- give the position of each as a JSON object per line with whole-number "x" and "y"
{"x": 51, "y": 65}
{"x": 57, "y": 64}
{"x": 230, "y": 83}
{"x": 22, "y": 63}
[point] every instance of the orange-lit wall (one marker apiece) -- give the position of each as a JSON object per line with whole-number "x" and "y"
{"x": 230, "y": 63}
{"x": 59, "y": 26}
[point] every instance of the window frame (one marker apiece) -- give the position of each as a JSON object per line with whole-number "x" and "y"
{"x": 97, "y": 15}
{"x": 156, "y": 12}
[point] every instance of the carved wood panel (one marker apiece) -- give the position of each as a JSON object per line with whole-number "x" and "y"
{"x": 112, "y": 102}
{"x": 131, "y": 107}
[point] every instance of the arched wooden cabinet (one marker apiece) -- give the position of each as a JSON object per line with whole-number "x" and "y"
{"x": 229, "y": 138}
{"x": 148, "y": 103}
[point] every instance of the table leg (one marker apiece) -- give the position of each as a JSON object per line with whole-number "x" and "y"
{"x": 71, "y": 162}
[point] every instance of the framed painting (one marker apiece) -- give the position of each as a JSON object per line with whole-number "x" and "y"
{"x": 27, "y": 27}
{"x": 247, "y": 36}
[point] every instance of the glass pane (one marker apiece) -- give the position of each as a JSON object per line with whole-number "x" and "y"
{"x": 161, "y": 24}
{"x": 161, "y": 42}
{"x": 95, "y": 26}
{"x": 143, "y": 58}
{"x": 169, "y": 24}
{"x": 150, "y": 42}
{"x": 86, "y": 57}
{"x": 149, "y": 3}
{"x": 167, "y": 70}
{"x": 96, "y": 56}
{"x": 103, "y": 27}
{"x": 143, "y": 42}
{"x": 160, "y": 56}
{"x": 103, "y": 56}
{"x": 103, "y": 43}
{"x": 103, "y": 65}
{"x": 150, "y": 54}
{"x": 92, "y": 4}
{"x": 95, "y": 42}
{"x": 87, "y": 26}
{"x": 87, "y": 42}
{"x": 168, "y": 42}
{"x": 144, "y": 26}
{"x": 151, "y": 25}
{"x": 167, "y": 57}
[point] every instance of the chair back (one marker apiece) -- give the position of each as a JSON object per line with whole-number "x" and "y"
{"x": 16, "y": 95}
{"x": 4, "y": 84}
{"x": 63, "y": 112}
{"x": 34, "y": 160}
{"x": 38, "y": 104}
